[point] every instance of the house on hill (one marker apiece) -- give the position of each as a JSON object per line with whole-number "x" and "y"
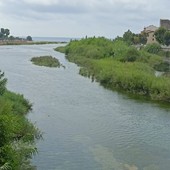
{"x": 150, "y": 30}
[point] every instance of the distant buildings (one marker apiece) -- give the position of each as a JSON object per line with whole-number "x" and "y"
{"x": 150, "y": 30}
{"x": 165, "y": 23}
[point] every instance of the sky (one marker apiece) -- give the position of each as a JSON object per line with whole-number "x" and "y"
{"x": 78, "y": 18}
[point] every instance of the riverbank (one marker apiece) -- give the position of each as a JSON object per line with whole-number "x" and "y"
{"x": 17, "y": 133}
{"x": 29, "y": 42}
{"x": 116, "y": 65}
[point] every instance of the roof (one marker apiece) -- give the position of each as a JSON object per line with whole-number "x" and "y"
{"x": 150, "y": 28}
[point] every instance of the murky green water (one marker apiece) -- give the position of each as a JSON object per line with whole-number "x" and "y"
{"x": 86, "y": 127}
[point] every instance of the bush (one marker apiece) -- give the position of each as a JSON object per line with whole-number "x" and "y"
{"x": 153, "y": 48}
{"x": 3, "y": 82}
{"x": 163, "y": 66}
{"x": 131, "y": 55}
{"x": 17, "y": 134}
{"x": 29, "y": 38}
{"x": 95, "y": 48}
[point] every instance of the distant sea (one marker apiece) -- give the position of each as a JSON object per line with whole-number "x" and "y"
{"x": 53, "y": 39}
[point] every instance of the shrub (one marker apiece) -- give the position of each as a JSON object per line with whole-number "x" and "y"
{"x": 3, "y": 82}
{"x": 163, "y": 66}
{"x": 17, "y": 134}
{"x": 153, "y": 48}
{"x": 131, "y": 55}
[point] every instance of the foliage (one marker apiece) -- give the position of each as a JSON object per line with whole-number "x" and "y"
{"x": 119, "y": 65}
{"x": 17, "y": 133}
{"x": 167, "y": 38}
{"x": 167, "y": 74}
{"x": 4, "y": 36}
{"x": 29, "y": 38}
{"x": 47, "y": 61}
{"x": 162, "y": 35}
{"x": 153, "y": 48}
{"x": 128, "y": 37}
{"x": 60, "y": 49}
{"x": 150, "y": 59}
{"x": 3, "y": 82}
{"x": 132, "y": 38}
{"x": 4, "y": 33}
{"x": 143, "y": 37}
{"x": 167, "y": 54}
{"x": 131, "y": 55}
{"x": 91, "y": 47}
{"x": 163, "y": 66}
{"x": 159, "y": 35}
{"x": 120, "y": 48}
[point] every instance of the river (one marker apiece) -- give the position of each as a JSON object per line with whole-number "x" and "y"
{"x": 85, "y": 126}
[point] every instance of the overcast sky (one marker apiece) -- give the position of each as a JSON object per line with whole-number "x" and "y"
{"x": 78, "y": 18}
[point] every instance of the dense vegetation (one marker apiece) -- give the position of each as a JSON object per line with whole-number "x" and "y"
{"x": 17, "y": 134}
{"x": 162, "y": 35}
{"x": 4, "y": 33}
{"x": 47, "y": 61}
{"x": 132, "y": 38}
{"x": 116, "y": 64}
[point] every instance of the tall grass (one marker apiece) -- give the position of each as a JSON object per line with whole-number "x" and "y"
{"x": 117, "y": 65}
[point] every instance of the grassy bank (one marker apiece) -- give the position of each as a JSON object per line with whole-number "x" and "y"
{"x": 116, "y": 65}
{"x": 28, "y": 42}
{"x": 17, "y": 133}
{"x": 47, "y": 61}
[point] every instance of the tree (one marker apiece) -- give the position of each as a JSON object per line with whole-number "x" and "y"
{"x": 7, "y": 32}
{"x": 167, "y": 38}
{"x": 128, "y": 36}
{"x": 2, "y": 30}
{"x": 153, "y": 48}
{"x": 160, "y": 34}
{"x": 131, "y": 55}
{"x": 118, "y": 39}
{"x": 4, "y": 33}
{"x": 3, "y": 82}
{"x": 143, "y": 38}
{"x": 11, "y": 37}
{"x": 136, "y": 39}
{"x": 1, "y": 35}
{"x": 132, "y": 38}
{"x": 29, "y": 38}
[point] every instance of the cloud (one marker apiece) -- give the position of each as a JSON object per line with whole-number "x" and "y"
{"x": 91, "y": 17}
{"x": 41, "y": 2}
{"x": 71, "y": 6}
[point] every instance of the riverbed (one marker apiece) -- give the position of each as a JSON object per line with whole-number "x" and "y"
{"x": 85, "y": 126}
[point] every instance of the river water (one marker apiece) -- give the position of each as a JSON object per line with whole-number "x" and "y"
{"x": 86, "y": 127}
